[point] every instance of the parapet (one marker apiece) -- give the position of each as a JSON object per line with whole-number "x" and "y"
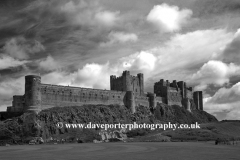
{"x": 113, "y": 77}
{"x": 126, "y": 73}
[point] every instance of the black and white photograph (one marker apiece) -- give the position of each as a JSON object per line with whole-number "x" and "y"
{"x": 119, "y": 79}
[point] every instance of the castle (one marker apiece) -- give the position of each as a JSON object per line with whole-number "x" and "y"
{"x": 125, "y": 90}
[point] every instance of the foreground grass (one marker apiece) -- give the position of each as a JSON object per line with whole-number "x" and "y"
{"x": 119, "y": 151}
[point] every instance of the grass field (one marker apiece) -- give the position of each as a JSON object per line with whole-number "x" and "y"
{"x": 123, "y": 151}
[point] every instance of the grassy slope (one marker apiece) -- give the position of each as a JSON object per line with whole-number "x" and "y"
{"x": 208, "y": 131}
{"x": 225, "y": 128}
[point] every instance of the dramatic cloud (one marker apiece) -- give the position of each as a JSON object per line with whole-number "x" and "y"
{"x": 89, "y": 13}
{"x": 214, "y": 72}
{"x": 225, "y": 100}
{"x": 90, "y": 76}
{"x": 97, "y": 75}
{"x": 173, "y": 57}
{"x": 8, "y": 62}
{"x": 120, "y": 37}
{"x": 8, "y": 88}
{"x": 143, "y": 61}
{"x": 20, "y": 48}
{"x": 216, "y": 7}
{"x": 232, "y": 50}
{"x": 169, "y": 18}
{"x": 49, "y": 64}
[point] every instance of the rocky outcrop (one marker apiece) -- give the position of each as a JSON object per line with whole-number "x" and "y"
{"x": 44, "y": 124}
{"x": 177, "y": 114}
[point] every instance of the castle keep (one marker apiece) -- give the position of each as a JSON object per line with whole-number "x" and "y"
{"x": 125, "y": 90}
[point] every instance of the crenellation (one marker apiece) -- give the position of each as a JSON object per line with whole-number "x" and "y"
{"x": 125, "y": 90}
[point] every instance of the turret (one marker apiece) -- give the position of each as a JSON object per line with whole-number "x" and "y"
{"x": 141, "y": 83}
{"x": 131, "y": 101}
{"x": 127, "y": 81}
{"x": 112, "y": 78}
{"x": 182, "y": 86}
{"x": 198, "y": 100}
{"x": 32, "y": 93}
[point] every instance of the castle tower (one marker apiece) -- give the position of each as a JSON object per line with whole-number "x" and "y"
{"x": 32, "y": 93}
{"x": 198, "y": 100}
{"x": 131, "y": 101}
{"x": 152, "y": 101}
{"x": 187, "y": 104}
{"x": 182, "y": 86}
{"x": 112, "y": 78}
{"x": 141, "y": 83}
{"x": 127, "y": 81}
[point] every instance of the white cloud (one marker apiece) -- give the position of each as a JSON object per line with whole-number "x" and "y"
{"x": 90, "y": 13}
{"x": 49, "y": 64}
{"x": 107, "y": 18}
{"x": 120, "y": 37}
{"x": 8, "y": 88}
{"x": 170, "y": 59}
{"x": 90, "y": 76}
{"x": 139, "y": 62}
{"x": 214, "y": 72}
{"x": 8, "y": 62}
{"x": 169, "y": 18}
{"x": 97, "y": 75}
{"x": 192, "y": 48}
{"x": 225, "y": 100}
{"x": 20, "y": 48}
{"x": 93, "y": 76}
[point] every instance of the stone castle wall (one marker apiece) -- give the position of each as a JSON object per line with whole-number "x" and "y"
{"x": 53, "y": 95}
{"x": 127, "y": 82}
{"x": 125, "y": 90}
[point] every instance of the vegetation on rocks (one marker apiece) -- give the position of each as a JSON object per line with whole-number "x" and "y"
{"x": 44, "y": 124}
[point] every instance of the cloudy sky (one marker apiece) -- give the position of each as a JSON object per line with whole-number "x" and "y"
{"x": 83, "y": 42}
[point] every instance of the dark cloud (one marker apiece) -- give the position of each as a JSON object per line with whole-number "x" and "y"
{"x": 215, "y": 7}
{"x": 232, "y": 50}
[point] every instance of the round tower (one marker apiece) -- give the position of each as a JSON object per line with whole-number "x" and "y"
{"x": 131, "y": 101}
{"x": 127, "y": 81}
{"x": 32, "y": 93}
{"x": 141, "y": 83}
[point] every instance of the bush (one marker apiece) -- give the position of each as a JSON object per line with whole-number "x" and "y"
{"x": 137, "y": 132}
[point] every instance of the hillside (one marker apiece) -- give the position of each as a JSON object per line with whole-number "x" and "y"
{"x": 44, "y": 124}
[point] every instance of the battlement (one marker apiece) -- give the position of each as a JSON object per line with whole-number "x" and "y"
{"x": 125, "y": 90}
{"x": 126, "y": 73}
{"x": 128, "y": 82}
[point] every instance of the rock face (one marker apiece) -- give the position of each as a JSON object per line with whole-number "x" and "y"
{"x": 44, "y": 124}
{"x": 177, "y": 114}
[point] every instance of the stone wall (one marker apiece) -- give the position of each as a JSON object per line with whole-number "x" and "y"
{"x": 18, "y": 103}
{"x": 54, "y": 95}
{"x": 125, "y": 90}
{"x": 174, "y": 97}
